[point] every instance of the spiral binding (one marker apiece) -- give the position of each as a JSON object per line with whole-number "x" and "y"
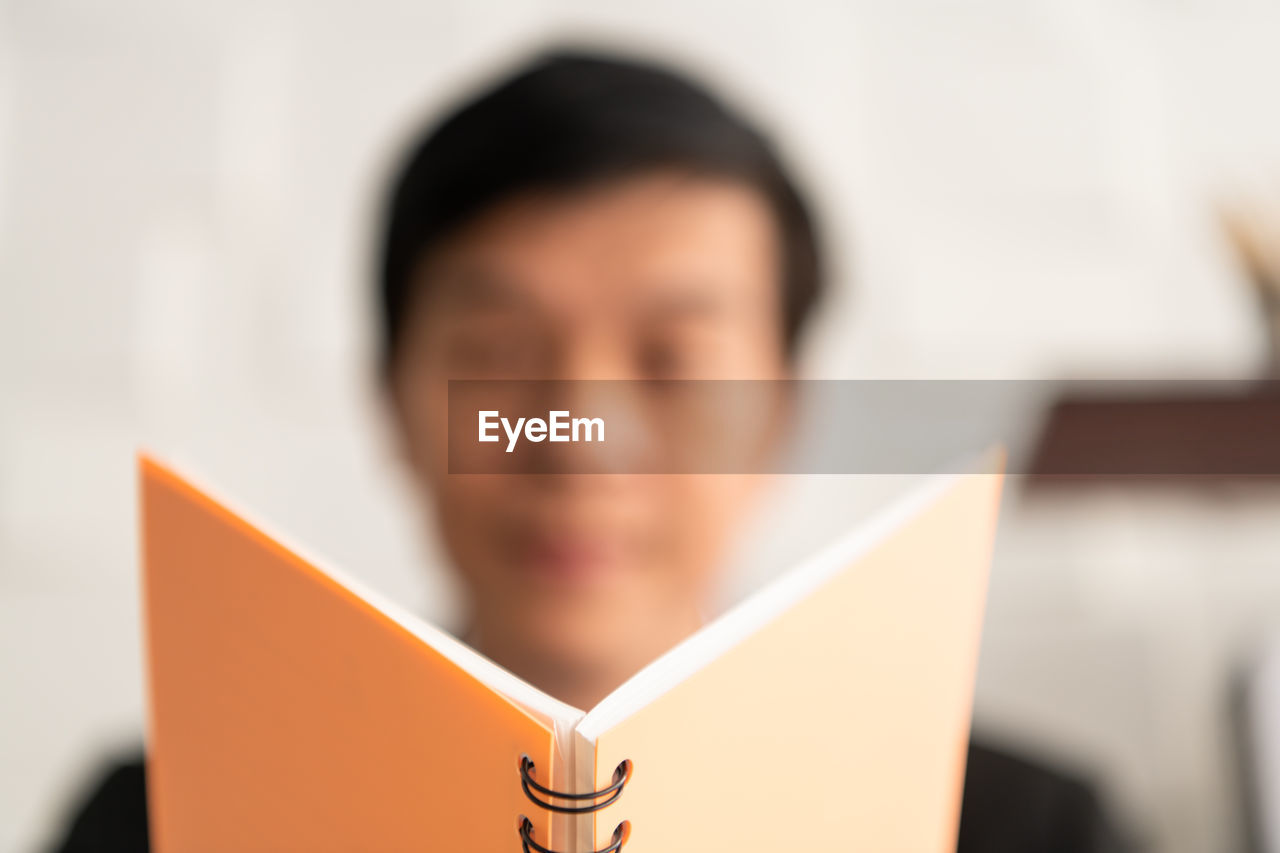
{"x": 593, "y": 801}
{"x": 620, "y": 835}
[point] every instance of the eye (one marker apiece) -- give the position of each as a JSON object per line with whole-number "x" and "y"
{"x": 667, "y": 359}
{"x": 497, "y": 352}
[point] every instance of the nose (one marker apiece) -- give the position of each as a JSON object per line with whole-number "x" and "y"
{"x": 587, "y": 351}
{"x": 592, "y": 377}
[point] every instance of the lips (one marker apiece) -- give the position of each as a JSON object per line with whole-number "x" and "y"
{"x": 567, "y": 557}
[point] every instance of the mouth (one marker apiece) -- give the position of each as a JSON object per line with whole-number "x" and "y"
{"x": 565, "y": 557}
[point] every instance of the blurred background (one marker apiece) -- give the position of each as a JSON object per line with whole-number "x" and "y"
{"x": 1011, "y": 189}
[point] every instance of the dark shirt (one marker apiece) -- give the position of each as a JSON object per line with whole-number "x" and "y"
{"x": 1011, "y": 805}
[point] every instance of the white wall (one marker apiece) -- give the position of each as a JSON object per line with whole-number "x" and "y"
{"x": 1013, "y": 188}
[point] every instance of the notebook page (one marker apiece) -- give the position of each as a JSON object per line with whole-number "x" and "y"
{"x": 840, "y": 723}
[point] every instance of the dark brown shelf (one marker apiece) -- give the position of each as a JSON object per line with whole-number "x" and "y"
{"x": 1184, "y": 431}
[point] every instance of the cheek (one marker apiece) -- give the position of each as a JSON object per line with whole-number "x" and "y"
{"x": 468, "y": 509}
{"x": 463, "y": 507}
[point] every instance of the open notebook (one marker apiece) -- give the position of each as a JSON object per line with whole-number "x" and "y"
{"x": 292, "y": 709}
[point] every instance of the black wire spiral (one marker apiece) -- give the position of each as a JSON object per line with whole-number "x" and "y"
{"x": 611, "y": 793}
{"x": 620, "y": 835}
{"x": 590, "y": 802}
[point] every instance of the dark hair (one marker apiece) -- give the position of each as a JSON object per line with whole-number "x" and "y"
{"x": 569, "y": 119}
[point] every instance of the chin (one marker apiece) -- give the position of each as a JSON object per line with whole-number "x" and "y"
{"x": 577, "y": 641}
{"x": 585, "y": 645}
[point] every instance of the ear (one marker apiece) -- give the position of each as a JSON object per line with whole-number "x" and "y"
{"x": 415, "y": 414}
{"x": 394, "y": 408}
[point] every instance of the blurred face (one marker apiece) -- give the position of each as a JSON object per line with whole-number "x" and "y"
{"x": 661, "y": 276}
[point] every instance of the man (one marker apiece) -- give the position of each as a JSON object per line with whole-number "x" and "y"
{"x": 590, "y": 218}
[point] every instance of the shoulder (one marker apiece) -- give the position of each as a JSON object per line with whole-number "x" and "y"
{"x": 112, "y": 813}
{"x": 1013, "y": 804}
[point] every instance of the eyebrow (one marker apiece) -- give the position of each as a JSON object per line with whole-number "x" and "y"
{"x": 689, "y": 303}
{"x": 474, "y": 287}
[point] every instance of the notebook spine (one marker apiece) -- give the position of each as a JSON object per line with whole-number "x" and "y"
{"x": 577, "y": 804}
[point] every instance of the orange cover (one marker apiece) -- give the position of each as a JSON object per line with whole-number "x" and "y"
{"x": 289, "y": 714}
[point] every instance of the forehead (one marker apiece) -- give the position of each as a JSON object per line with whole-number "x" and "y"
{"x": 613, "y": 243}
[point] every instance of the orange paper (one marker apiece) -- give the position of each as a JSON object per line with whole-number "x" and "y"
{"x": 288, "y": 714}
